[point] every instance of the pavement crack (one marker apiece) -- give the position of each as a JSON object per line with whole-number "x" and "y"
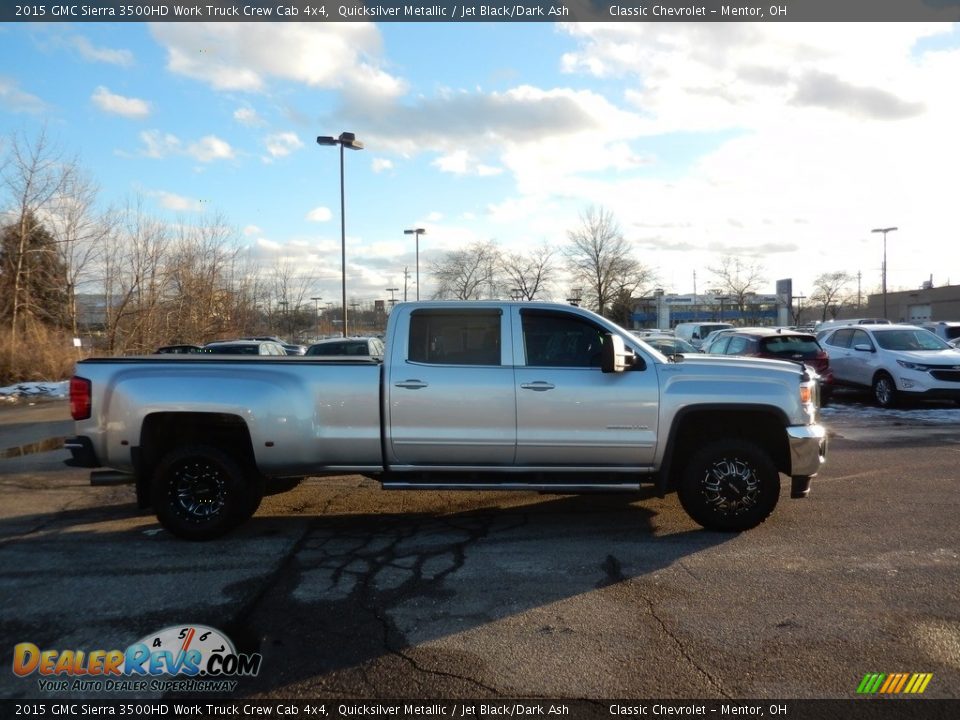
{"x": 714, "y": 682}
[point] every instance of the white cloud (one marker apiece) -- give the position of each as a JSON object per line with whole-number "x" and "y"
{"x": 159, "y": 145}
{"x": 16, "y": 100}
{"x": 172, "y": 201}
{"x": 382, "y": 165}
{"x": 249, "y": 117}
{"x": 245, "y": 57}
{"x": 251, "y": 230}
{"x": 282, "y": 144}
{"x": 88, "y": 51}
{"x": 210, "y": 148}
{"x": 320, "y": 214}
{"x": 120, "y": 105}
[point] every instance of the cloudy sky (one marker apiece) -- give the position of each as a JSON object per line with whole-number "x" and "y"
{"x": 783, "y": 143}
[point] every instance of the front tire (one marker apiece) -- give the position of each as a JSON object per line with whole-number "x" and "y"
{"x": 885, "y": 390}
{"x": 200, "y": 493}
{"x": 729, "y": 485}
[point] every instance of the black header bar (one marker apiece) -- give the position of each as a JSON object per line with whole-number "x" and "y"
{"x": 307, "y": 11}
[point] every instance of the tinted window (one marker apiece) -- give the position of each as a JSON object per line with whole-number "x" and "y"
{"x": 738, "y": 345}
{"x": 860, "y": 338}
{"x": 719, "y": 346}
{"x": 841, "y": 338}
{"x": 560, "y": 340}
{"x": 789, "y": 345}
{"x": 457, "y": 337}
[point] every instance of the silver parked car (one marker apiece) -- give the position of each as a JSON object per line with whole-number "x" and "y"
{"x": 245, "y": 347}
{"x": 896, "y": 361}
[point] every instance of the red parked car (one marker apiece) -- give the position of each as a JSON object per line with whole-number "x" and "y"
{"x": 778, "y": 344}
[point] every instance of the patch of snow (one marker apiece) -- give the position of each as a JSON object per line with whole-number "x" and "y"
{"x": 34, "y": 390}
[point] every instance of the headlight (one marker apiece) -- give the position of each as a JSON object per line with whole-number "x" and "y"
{"x": 910, "y": 365}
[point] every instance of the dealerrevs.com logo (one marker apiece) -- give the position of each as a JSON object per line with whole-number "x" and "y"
{"x": 180, "y": 658}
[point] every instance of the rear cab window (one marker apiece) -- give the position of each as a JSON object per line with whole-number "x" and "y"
{"x": 455, "y": 337}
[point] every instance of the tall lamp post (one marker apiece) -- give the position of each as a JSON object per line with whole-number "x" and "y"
{"x": 346, "y": 139}
{"x": 418, "y": 232}
{"x": 884, "y": 273}
{"x": 316, "y": 313}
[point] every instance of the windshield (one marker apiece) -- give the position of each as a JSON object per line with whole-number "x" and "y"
{"x": 909, "y": 340}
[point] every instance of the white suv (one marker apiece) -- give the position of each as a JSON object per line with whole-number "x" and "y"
{"x": 897, "y": 361}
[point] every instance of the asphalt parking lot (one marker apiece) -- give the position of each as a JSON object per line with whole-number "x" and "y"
{"x": 349, "y": 591}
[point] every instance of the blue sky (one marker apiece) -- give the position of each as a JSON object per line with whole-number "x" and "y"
{"x": 784, "y": 144}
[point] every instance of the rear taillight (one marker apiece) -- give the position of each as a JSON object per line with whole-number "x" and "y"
{"x": 79, "y": 398}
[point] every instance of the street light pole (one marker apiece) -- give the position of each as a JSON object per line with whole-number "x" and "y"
{"x": 346, "y": 139}
{"x": 417, "y": 232}
{"x": 316, "y": 312}
{"x": 884, "y": 272}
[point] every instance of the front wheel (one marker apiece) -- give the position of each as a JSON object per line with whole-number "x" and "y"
{"x": 200, "y": 493}
{"x": 729, "y": 485}
{"x": 885, "y": 391}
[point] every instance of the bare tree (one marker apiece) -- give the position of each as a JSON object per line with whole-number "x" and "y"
{"x": 830, "y": 291}
{"x": 468, "y": 274}
{"x": 136, "y": 281}
{"x": 291, "y": 288}
{"x": 80, "y": 231}
{"x": 738, "y": 279}
{"x": 601, "y": 261}
{"x": 529, "y": 274}
{"x": 34, "y": 175}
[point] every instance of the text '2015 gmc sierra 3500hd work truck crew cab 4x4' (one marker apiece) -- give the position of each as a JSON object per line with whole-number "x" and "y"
{"x": 469, "y": 395}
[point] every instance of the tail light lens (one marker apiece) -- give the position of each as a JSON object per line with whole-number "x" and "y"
{"x": 79, "y": 398}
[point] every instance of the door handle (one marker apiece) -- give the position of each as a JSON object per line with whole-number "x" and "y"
{"x": 538, "y": 386}
{"x": 411, "y": 384}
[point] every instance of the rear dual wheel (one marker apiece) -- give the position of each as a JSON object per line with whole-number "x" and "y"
{"x": 199, "y": 492}
{"x": 729, "y": 485}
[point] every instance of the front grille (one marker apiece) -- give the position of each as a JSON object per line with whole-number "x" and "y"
{"x": 946, "y": 375}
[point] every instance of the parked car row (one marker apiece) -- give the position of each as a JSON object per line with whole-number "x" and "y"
{"x": 271, "y": 346}
{"x": 894, "y": 361}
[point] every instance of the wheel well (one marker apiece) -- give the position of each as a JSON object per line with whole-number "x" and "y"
{"x": 161, "y": 432}
{"x": 764, "y": 428}
{"x": 880, "y": 372}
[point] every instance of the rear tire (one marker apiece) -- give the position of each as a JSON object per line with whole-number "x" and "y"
{"x": 729, "y": 485}
{"x": 200, "y": 493}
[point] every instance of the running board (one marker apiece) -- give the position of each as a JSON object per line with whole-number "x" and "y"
{"x": 102, "y": 478}
{"x": 558, "y": 488}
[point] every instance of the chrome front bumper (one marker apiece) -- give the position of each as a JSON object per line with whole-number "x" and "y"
{"x": 808, "y": 449}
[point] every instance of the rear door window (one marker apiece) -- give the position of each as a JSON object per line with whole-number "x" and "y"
{"x": 455, "y": 337}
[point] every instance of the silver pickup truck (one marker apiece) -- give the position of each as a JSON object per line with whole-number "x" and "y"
{"x": 469, "y": 395}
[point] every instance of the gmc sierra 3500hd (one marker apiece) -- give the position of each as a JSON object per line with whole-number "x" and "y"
{"x": 469, "y": 395}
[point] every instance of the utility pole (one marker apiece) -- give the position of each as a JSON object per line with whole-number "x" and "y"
{"x": 406, "y": 277}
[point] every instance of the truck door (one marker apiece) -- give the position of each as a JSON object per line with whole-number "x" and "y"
{"x": 451, "y": 395}
{"x": 568, "y": 411}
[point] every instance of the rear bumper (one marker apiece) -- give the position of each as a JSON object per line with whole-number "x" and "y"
{"x": 82, "y": 453}
{"x": 808, "y": 449}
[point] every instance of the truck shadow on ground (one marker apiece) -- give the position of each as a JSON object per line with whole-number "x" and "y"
{"x": 331, "y": 601}
{"x": 403, "y": 594}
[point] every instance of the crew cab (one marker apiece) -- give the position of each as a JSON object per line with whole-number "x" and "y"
{"x": 469, "y": 395}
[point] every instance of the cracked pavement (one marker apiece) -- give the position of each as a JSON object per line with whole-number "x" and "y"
{"x": 349, "y": 591}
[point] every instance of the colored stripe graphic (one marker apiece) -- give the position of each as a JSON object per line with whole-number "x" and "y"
{"x": 870, "y": 683}
{"x": 894, "y": 683}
